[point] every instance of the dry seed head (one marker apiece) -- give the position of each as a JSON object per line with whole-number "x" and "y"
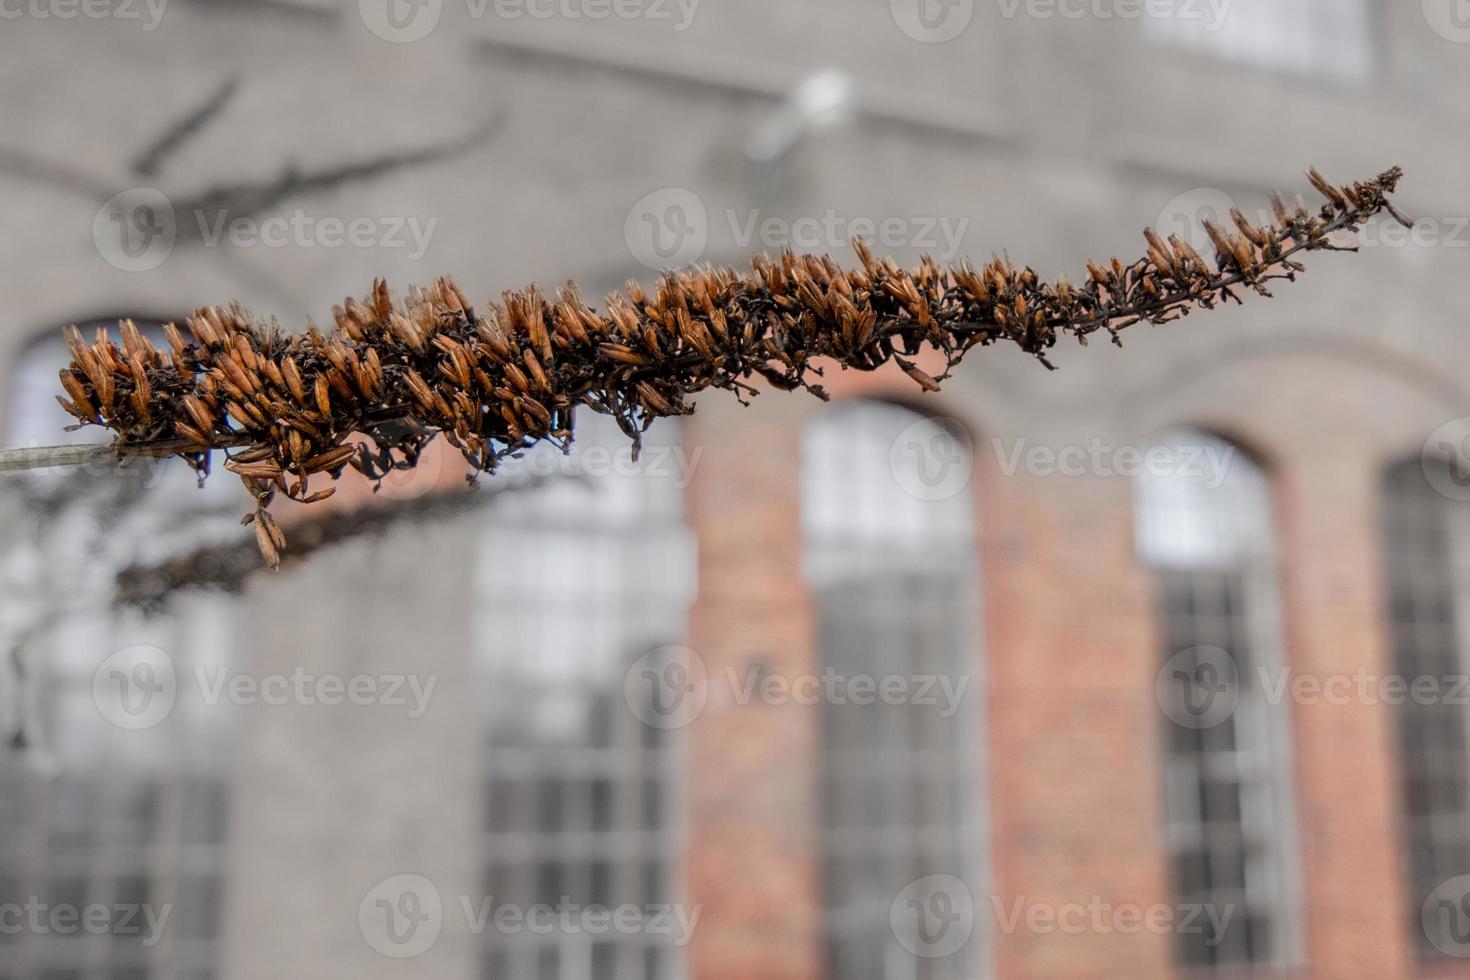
{"x": 493, "y": 382}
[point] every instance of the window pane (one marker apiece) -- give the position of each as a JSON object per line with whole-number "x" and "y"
{"x": 892, "y": 569}
{"x": 1424, "y": 551}
{"x": 117, "y": 821}
{"x": 1203, "y": 526}
{"x": 579, "y": 790}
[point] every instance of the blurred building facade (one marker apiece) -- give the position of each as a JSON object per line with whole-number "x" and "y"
{"x": 650, "y": 691}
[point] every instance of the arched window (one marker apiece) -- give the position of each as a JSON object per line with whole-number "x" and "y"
{"x": 890, "y": 559}
{"x": 580, "y": 580}
{"x": 1204, "y": 528}
{"x": 115, "y": 786}
{"x": 1426, "y": 547}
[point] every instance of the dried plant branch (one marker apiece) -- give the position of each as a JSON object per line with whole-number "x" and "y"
{"x": 494, "y": 384}
{"x": 39, "y": 457}
{"x": 182, "y": 130}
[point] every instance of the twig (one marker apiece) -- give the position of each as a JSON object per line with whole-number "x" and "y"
{"x": 40, "y": 457}
{"x": 397, "y": 375}
{"x": 181, "y": 130}
{"x": 226, "y": 567}
{"x": 255, "y": 197}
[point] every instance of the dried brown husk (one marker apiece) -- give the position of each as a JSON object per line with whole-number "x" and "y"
{"x": 393, "y": 375}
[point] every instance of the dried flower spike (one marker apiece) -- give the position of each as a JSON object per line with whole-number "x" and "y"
{"x": 497, "y": 381}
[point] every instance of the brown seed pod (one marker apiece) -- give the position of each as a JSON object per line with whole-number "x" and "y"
{"x": 329, "y": 460}
{"x": 399, "y": 374}
{"x": 323, "y": 399}
{"x": 266, "y": 540}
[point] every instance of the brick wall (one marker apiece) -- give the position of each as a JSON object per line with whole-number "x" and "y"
{"x": 1070, "y": 651}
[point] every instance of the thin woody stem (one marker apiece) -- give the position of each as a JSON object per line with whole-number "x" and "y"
{"x": 16, "y": 460}
{"x": 393, "y": 376}
{"x": 41, "y": 457}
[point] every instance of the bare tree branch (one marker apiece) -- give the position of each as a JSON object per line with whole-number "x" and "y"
{"x": 253, "y": 197}
{"x": 151, "y": 159}
{"x": 226, "y": 568}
